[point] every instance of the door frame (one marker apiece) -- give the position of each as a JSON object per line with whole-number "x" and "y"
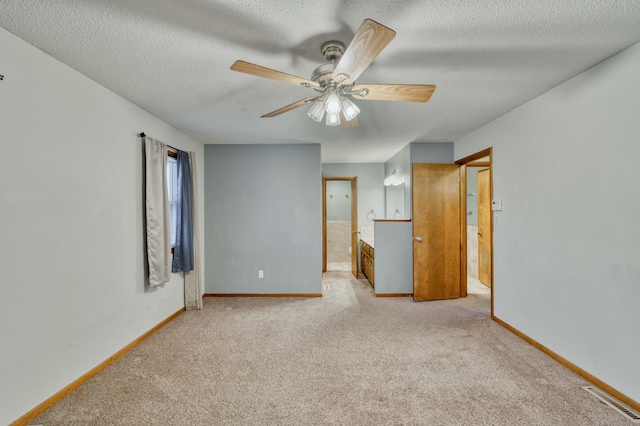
{"x": 464, "y": 163}
{"x": 354, "y": 207}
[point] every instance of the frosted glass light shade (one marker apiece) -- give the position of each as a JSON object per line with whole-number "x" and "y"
{"x": 333, "y": 120}
{"x": 349, "y": 109}
{"x": 332, "y": 104}
{"x": 393, "y": 179}
{"x": 399, "y": 180}
{"x": 316, "y": 112}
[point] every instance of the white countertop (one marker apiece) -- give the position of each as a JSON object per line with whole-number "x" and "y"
{"x": 366, "y": 235}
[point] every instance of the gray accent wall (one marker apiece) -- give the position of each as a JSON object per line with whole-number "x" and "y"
{"x": 393, "y": 257}
{"x": 432, "y": 152}
{"x": 567, "y": 247}
{"x": 263, "y": 211}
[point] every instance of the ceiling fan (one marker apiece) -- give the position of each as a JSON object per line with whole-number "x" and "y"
{"x": 335, "y": 82}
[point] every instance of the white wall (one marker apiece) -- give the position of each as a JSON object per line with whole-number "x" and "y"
{"x": 567, "y": 253}
{"x": 72, "y": 255}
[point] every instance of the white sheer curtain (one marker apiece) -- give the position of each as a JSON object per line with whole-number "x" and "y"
{"x": 157, "y": 209}
{"x": 193, "y": 279}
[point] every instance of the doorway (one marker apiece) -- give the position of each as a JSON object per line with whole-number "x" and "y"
{"x": 340, "y": 224}
{"x": 478, "y": 224}
{"x": 439, "y": 203}
{"x": 477, "y": 242}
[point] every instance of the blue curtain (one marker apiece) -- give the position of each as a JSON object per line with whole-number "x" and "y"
{"x": 183, "y": 251}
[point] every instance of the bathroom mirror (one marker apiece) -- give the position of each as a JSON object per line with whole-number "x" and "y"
{"x": 394, "y": 197}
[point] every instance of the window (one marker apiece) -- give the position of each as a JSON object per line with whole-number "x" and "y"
{"x": 172, "y": 185}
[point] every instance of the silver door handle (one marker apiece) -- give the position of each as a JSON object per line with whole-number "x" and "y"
{"x": 419, "y": 239}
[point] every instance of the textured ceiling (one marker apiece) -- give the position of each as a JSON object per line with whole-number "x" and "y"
{"x": 172, "y": 58}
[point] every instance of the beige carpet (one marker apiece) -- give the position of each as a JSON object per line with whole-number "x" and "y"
{"x": 347, "y": 358}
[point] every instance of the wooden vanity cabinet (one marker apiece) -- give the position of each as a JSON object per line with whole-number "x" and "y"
{"x": 366, "y": 261}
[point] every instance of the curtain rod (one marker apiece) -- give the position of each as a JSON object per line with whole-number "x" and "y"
{"x": 142, "y": 135}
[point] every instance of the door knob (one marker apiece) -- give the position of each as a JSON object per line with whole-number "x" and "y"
{"x": 419, "y": 239}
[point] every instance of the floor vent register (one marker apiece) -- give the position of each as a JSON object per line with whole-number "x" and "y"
{"x": 614, "y": 403}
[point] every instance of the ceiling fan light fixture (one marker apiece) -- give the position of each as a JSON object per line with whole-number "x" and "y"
{"x": 333, "y": 120}
{"x": 316, "y": 112}
{"x": 349, "y": 109}
{"x": 332, "y": 105}
{"x": 334, "y": 82}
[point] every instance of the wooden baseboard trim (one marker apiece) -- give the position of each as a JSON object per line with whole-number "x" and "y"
{"x": 571, "y": 366}
{"x": 262, "y": 295}
{"x": 95, "y": 370}
{"x": 393, "y": 295}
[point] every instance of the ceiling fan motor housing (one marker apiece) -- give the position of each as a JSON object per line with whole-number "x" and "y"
{"x": 322, "y": 74}
{"x": 332, "y": 50}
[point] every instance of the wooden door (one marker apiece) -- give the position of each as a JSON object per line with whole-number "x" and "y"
{"x": 354, "y": 226}
{"x": 484, "y": 227}
{"x": 436, "y": 231}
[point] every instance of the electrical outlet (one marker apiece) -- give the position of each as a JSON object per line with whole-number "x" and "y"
{"x": 148, "y": 302}
{"x": 260, "y": 274}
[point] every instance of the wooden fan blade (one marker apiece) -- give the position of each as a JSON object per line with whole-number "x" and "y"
{"x": 346, "y": 125}
{"x": 290, "y": 107}
{"x": 395, "y": 92}
{"x": 368, "y": 42}
{"x": 253, "y": 69}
